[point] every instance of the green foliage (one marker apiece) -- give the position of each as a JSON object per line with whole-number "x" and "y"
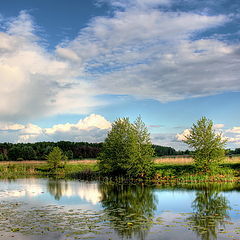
{"x": 14, "y": 153}
{"x": 39, "y": 150}
{"x": 80, "y": 150}
{"x": 69, "y": 154}
{"x": 127, "y": 150}
{"x": 28, "y": 153}
{"x": 1, "y": 157}
{"x": 21, "y": 151}
{"x": 208, "y": 145}
{"x": 143, "y": 163}
{"x": 56, "y": 159}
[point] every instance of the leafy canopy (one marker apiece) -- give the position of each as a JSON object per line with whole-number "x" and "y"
{"x": 127, "y": 150}
{"x": 208, "y": 145}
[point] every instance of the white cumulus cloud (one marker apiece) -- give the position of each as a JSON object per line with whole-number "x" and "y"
{"x": 140, "y": 50}
{"x": 182, "y": 136}
{"x": 234, "y": 130}
{"x": 151, "y": 53}
{"x": 218, "y": 126}
{"x": 34, "y": 82}
{"x": 7, "y": 126}
{"x": 93, "y": 128}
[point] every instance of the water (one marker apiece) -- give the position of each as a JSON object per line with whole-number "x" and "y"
{"x": 34, "y": 209}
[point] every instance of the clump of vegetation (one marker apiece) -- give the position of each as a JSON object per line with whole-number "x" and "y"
{"x": 38, "y": 150}
{"x": 69, "y": 171}
{"x": 69, "y": 154}
{"x": 208, "y": 146}
{"x": 127, "y": 150}
{"x": 1, "y": 157}
{"x": 21, "y": 152}
{"x": 56, "y": 159}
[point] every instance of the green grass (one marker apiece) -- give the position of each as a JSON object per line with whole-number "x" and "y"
{"x": 187, "y": 173}
{"x": 17, "y": 170}
{"x": 228, "y": 172}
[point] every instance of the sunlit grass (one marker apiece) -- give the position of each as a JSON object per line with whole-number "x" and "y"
{"x": 186, "y": 159}
{"x": 165, "y": 171}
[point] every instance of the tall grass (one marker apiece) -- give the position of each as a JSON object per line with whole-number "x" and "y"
{"x": 17, "y": 170}
{"x": 186, "y": 159}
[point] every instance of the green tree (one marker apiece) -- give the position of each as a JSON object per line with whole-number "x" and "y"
{"x": 127, "y": 150}
{"x": 69, "y": 154}
{"x": 208, "y": 145}
{"x": 56, "y": 159}
{"x": 145, "y": 151}
{"x": 28, "y": 153}
{"x": 15, "y": 152}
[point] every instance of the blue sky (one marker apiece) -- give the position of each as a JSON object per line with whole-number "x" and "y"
{"x": 70, "y": 68}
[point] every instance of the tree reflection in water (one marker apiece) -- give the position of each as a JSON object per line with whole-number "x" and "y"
{"x": 210, "y": 212}
{"x": 57, "y": 188}
{"x": 130, "y": 208}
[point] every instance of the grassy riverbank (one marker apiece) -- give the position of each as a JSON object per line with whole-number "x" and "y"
{"x": 167, "y": 170}
{"x": 187, "y": 173}
{"x": 77, "y": 170}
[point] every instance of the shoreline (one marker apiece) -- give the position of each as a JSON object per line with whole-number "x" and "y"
{"x": 88, "y": 170}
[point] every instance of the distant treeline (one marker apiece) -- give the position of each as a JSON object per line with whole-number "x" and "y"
{"x": 39, "y": 150}
{"x": 234, "y": 152}
{"x": 167, "y": 151}
{"x": 73, "y": 150}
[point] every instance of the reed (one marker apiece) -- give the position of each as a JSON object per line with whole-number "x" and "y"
{"x": 186, "y": 159}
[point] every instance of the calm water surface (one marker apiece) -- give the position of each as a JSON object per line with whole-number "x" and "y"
{"x": 34, "y": 209}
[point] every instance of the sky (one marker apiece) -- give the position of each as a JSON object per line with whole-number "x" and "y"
{"x": 68, "y": 69}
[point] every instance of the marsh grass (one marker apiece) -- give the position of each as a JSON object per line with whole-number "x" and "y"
{"x": 187, "y": 159}
{"x": 188, "y": 173}
{"x": 181, "y": 160}
{"x": 166, "y": 172}
{"x": 17, "y": 170}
